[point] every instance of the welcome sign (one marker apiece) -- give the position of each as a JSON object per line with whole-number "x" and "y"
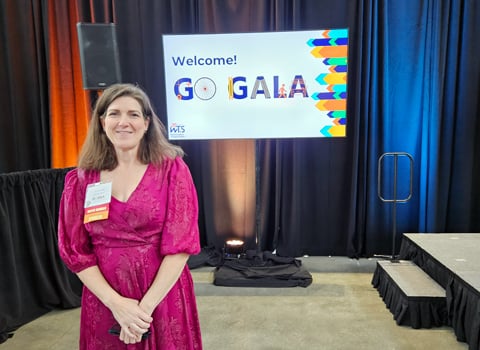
{"x": 256, "y": 85}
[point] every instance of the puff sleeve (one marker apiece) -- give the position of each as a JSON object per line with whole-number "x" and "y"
{"x": 180, "y": 232}
{"x": 74, "y": 242}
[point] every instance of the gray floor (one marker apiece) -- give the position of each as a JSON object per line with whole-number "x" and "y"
{"x": 340, "y": 310}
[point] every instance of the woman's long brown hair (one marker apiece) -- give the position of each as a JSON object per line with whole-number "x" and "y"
{"x": 98, "y": 153}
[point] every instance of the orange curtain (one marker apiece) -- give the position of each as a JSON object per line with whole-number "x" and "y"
{"x": 70, "y": 104}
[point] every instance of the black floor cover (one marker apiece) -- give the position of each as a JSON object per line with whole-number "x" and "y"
{"x": 208, "y": 256}
{"x": 262, "y": 269}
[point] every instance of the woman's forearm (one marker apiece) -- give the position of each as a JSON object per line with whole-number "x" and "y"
{"x": 126, "y": 311}
{"x": 167, "y": 275}
{"x": 94, "y": 280}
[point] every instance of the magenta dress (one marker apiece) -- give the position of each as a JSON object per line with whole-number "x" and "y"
{"x": 159, "y": 219}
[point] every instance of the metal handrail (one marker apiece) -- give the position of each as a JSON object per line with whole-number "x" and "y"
{"x": 394, "y": 200}
{"x": 395, "y": 155}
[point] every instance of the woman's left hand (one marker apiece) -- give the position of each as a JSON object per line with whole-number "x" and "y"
{"x": 128, "y": 339}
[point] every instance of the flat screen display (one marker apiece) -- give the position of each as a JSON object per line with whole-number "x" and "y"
{"x": 256, "y": 85}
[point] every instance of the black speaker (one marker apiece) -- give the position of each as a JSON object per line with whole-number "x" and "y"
{"x": 98, "y": 55}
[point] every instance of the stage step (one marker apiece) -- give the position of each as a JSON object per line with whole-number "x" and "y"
{"x": 413, "y": 297}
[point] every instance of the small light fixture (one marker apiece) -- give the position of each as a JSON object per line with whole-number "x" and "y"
{"x": 233, "y": 248}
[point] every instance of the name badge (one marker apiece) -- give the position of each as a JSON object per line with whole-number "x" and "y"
{"x": 97, "y": 201}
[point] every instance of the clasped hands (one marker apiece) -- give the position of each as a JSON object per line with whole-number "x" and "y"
{"x": 134, "y": 322}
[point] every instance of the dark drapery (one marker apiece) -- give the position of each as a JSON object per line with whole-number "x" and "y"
{"x": 33, "y": 279}
{"x": 413, "y": 87}
{"x": 24, "y": 124}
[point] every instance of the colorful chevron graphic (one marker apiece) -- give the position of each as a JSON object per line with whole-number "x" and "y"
{"x": 331, "y": 50}
{"x": 332, "y": 78}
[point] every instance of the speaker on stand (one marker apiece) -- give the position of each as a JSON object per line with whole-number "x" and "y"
{"x": 98, "y": 55}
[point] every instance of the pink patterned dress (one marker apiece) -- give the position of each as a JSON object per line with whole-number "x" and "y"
{"x": 158, "y": 219}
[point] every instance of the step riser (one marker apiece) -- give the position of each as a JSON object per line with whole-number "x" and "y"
{"x": 413, "y": 297}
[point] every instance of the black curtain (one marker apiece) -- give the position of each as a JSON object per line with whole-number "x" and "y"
{"x": 413, "y": 87}
{"x": 33, "y": 279}
{"x": 305, "y": 225}
{"x": 24, "y": 124}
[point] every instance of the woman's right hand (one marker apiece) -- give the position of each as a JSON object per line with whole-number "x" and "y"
{"x": 132, "y": 319}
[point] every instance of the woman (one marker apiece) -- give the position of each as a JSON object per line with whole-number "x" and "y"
{"x": 127, "y": 225}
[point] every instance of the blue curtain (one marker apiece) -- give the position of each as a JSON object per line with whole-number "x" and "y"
{"x": 417, "y": 92}
{"x": 414, "y": 88}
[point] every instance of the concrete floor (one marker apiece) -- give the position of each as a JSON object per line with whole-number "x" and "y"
{"x": 339, "y": 310}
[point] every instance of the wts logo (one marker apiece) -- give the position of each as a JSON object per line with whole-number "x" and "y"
{"x": 177, "y": 129}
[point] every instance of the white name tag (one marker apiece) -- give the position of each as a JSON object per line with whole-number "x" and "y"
{"x": 97, "y": 201}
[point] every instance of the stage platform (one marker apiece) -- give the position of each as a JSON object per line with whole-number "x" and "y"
{"x": 452, "y": 261}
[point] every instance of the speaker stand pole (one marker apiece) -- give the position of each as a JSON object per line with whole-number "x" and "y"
{"x": 257, "y": 198}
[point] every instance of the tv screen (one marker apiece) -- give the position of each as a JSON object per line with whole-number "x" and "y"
{"x": 256, "y": 85}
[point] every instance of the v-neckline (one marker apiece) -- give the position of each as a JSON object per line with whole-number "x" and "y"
{"x": 113, "y": 198}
